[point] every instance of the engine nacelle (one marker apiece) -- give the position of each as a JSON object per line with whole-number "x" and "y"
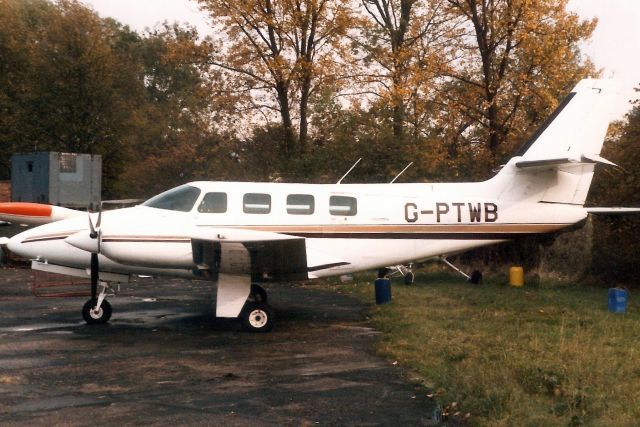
{"x": 149, "y": 251}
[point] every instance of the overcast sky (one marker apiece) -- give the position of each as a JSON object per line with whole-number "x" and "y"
{"x": 614, "y": 47}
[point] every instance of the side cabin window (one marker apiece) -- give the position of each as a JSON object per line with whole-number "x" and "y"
{"x": 256, "y": 203}
{"x": 300, "y": 204}
{"x": 343, "y": 205}
{"x": 213, "y": 203}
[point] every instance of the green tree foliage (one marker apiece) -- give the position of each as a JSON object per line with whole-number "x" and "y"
{"x": 71, "y": 81}
{"x": 66, "y": 88}
{"x": 173, "y": 138}
{"x": 616, "y": 248}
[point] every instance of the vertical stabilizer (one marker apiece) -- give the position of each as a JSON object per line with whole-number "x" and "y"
{"x": 577, "y": 127}
{"x": 556, "y": 165}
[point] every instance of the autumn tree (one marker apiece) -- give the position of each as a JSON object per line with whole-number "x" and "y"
{"x": 518, "y": 59}
{"x": 278, "y": 53}
{"x": 406, "y": 45}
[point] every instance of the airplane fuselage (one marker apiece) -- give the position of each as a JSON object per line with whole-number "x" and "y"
{"x": 346, "y": 228}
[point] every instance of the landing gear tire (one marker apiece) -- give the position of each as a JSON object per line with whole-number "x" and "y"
{"x": 409, "y": 278}
{"x": 102, "y": 315}
{"x": 257, "y": 317}
{"x": 476, "y": 277}
{"x": 258, "y": 294}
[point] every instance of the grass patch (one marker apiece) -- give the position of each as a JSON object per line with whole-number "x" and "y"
{"x": 550, "y": 355}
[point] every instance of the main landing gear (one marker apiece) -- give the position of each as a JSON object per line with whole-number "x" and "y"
{"x": 475, "y": 277}
{"x": 405, "y": 271}
{"x": 257, "y": 315}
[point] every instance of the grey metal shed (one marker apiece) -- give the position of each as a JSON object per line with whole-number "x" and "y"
{"x": 63, "y": 179}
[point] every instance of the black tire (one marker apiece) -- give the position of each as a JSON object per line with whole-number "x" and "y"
{"x": 258, "y": 294}
{"x": 409, "y": 278}
{"x": 103, "y": 315}
{"x": 257, "y": 317}
{"x": 476, "y": 277}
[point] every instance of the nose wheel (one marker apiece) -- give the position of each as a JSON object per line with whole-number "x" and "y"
{"x": 97, "y": 310}
{"x": 94, "y": 315}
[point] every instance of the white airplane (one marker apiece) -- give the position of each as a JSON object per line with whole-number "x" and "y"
{"x": 242, "y": 234}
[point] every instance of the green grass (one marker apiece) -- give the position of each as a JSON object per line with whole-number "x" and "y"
{"x": 544, "y": 356}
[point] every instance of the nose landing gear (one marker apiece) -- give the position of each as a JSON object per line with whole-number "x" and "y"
{"x": 93, "y": 315}
{"x": 97, "y": 310}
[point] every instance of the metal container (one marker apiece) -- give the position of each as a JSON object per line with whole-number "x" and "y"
{"x": 383, "y": 290}
{"x": 516, "y": 277}
{"x": 618, "y": 300}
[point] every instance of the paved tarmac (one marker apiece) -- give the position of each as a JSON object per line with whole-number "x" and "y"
{"x": 165, "y": 360}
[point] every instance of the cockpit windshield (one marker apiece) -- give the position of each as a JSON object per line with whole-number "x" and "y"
{"x": 177, "y": 199}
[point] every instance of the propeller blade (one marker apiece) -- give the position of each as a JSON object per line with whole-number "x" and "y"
{"x": 99, "y": 216}
{"x": 93, "y": 234}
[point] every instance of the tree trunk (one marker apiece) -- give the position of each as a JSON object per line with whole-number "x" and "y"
{"x": 285, "y": 113}
{"x": 494, "y": 136}
{"x": 304, "y": 107}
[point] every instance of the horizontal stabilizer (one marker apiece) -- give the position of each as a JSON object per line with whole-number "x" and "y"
{"x": 613, "y": 211}
{"x": 564, "y": 161}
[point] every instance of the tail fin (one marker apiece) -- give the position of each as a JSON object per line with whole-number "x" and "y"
{"x": 578, "y": 126}
{"x": 561, "y": 155}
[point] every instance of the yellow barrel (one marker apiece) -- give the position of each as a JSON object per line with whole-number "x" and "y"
{"x": 516, "y": 277}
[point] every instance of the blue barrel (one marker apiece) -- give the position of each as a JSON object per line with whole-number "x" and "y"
{"x": 383, "y": 290}
{"x": 617, "y": 300}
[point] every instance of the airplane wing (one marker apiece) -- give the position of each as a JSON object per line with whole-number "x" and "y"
{"x": 237, "y": 259}
{"x": 266, "y": 260}
{"x": 269, "y": 256}
{"x": 34, "y": 213}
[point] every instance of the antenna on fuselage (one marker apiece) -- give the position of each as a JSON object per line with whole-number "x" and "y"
{"x": 345, "y": 175}
{"x": 403, "y": 170}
